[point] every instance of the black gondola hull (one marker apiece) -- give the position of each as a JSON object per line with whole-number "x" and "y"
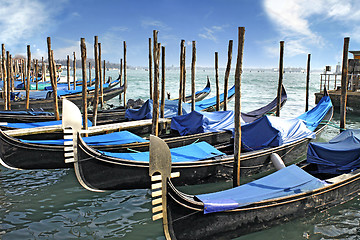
{"x": 188, "y": 223}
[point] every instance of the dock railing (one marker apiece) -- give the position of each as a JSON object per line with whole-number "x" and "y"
{"x": 333, "y": 81}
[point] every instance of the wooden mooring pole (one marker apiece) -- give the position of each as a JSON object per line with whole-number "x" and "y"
{"x": 281, "y": 73}
{"x": 8, "y": 82}
{"x": 100, "y": 79}
{"x": 125, "y": 77}
{"x": 217, "y": 81}
{"x": 4, "y": 76}
{"x": 150, "y": 71}
{"x": 68, "y": 72}
{"x": 53, "y": 78}
{"x": 27, "y": 88}
{"x": 97, "y": 79}
{"x": 227, "y": 74}
{"x": 182, "y": 49}
{"x": 237, "y": 110}
{"x": 344, "y": 84}
{"x": 84, "y": 83}
{"x": 193, "y": 75}
{"x": 74, "y": 71}
{"x": 155, "y": 116}
{"x": 162, "y": 106}
{"x": 307, "y": 83}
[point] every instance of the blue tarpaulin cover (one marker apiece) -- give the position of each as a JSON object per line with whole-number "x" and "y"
{"x": 340, "y": 155}
{"x": 267, "y": 131}
{"x": 270, "y": 131}
{"x": 171, "y": 107}
{"x": 37, "y": 124}
{"x": 114, "y": 138}
{"x": 200, "y": 122}
{"x": 313, "y": 117}
{"x": 189, "y": 153}
{"x": 287, "y": 181}
{"x": 25, "y": 112}
{"x": 146, "y": 110}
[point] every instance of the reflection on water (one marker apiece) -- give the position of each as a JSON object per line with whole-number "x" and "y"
{"x": 50, "y": 204}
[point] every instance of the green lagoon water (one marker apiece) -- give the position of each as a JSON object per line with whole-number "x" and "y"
{"x": 51, "y": 204}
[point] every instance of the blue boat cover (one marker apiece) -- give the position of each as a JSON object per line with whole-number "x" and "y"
{"x": 340, "y": 155}
{"x": 270, "y": 131}
{"x": 287, "y": 181}
{"x": 115, "y": 138}
{"x": 267, "y": 131}
{"x": 146, "y": 110}
{"x": 209, "y": 102}
{"x": 171, "y": 107}
{"x": 313, "y": 117}
{"x": 189, "y": 153}
{"x": 19, "y": 96}
{"x": 37, "y": 124}
{"x": 200, "y": 122}
{"x": 32, "y": 113}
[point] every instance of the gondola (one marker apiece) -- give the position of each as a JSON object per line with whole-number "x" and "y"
{"x": 98, "y": 170}
{"x": 44, "y": 99}
{"x": 329, "y": 177}
{"x": 118, "y": 114}
{"x": 103, "y": 116}
{"x": 199, "y": 95}
{"x": 23, "y": 151}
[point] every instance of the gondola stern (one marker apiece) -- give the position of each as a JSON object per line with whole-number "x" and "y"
{"x": 160, "y": 172}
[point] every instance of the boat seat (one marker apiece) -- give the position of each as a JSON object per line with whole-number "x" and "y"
{"x": 342, "y": 177}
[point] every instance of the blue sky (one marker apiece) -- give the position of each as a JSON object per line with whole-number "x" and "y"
{"x": 307, "y": 26}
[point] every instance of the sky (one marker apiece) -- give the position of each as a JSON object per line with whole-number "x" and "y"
{"x": 317, "y": 27}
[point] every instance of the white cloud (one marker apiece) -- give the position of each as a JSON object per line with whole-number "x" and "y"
{"x": 22, "y": 19}
{"x": 210, "y": 33}
{"x": 297, "y": 21}
{"x": 147, "y": 23}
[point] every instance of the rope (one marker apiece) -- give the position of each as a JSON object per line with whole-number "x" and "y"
{"x": 132, "y": 150}
{"x": 332, "y": 124}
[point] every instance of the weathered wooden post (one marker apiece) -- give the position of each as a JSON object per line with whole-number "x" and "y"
{"x": 182, "y": 47}
{"x": 74, "y": 71}
{"x": 53, "y": 78}
{"x": 237, "y": 117}
{"x": 23, "y": 63}
{"x": 155, "y": 116}
{"x": 8, "y": 82}
{"x": 307, "y": 82}
{"x": 344, "y": 84}
{"x": 193, "y": 76}
{"x": 162, "y": 107}
{"x": 4, "y": 76}
{"x": 100, "y": 78}
{"x": 217, "y": 108}
{"x": 84, "y": 83}
{"x": 90, "y": 83}
{"x": 43, "y": 77}
{"x": 227, "y": 74}
{"x": 11, "y": 74}
{"x": 120, "y": 75}
{"x": 125, "y": 77}
{"x": 97, "y": 79}
{"x": 68, "y": 72}
{"x": 27, "y": 88}
{"x": 150, "y": 71}
{"x": 184, "y": 76}
{"x": 281, "y": 72}
{"x": 36, "y": 73}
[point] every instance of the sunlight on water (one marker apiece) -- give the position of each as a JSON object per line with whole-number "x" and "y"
{"x": 50, "y": 204}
